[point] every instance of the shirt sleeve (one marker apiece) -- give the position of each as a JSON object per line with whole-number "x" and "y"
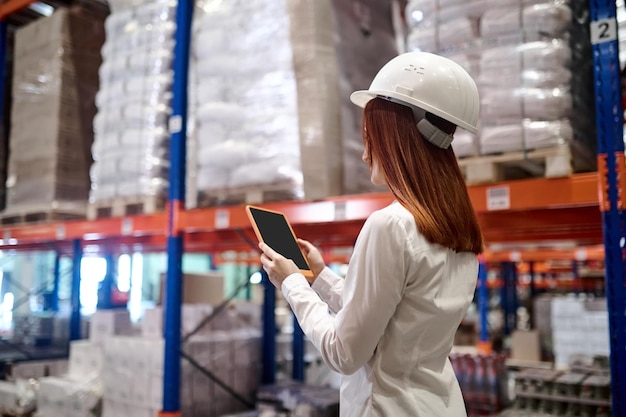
{"x": 329, "y": 286}
{"x": 373, "y": 287}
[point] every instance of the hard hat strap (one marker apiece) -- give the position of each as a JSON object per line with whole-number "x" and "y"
{"x": 433, "y": 134}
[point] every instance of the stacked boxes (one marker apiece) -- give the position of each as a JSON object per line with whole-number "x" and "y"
{"x": 579, "y": 329}
{"x": 33, "y": 330}
{"x": 54, "y": 85}
{"x": 80, "y": 392}
{"x": 530, "y": 61}
{"x": 133, "y": 378}
{"x": 131, "y": 148}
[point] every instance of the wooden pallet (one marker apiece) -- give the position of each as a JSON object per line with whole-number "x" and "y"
{"x": 126, "y": 206}
{"x": 247, "y": 195}
{"x": 554, "y": 162}
{"x": 39, "y": 215}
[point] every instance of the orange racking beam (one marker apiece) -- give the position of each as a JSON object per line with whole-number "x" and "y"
{"x": 9, "y": 7}
{"x": 575, "y": 191}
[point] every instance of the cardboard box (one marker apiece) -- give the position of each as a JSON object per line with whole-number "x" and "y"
{"x": 205, "y": 288}
{"x": 86, "y": 359}
{"x": 526, "y": 345}
{"x": 55, "y": 80}
{"x": 106, "y": 323}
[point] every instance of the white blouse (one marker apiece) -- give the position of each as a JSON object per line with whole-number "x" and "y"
{"x": 397, "y": 312}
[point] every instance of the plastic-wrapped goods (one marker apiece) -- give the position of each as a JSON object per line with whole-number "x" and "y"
{"x": 464, "y": 144}
{"x": 534, "y": 22}
{"x": 263, "y": 99}
{"x": 535, "y": 75}
{"x": 542, "y": 64}
{"x": 507, "y": 105}
{"x": 451, "y": 35}
{"x": 18, "y": 398}
{"x": 528, "y": 135}
{"x": 621, "y": 31}
{"x": 55, "y": 80}
{"x": 365, "y": 41}
{"x": 131, "y": 148}
{"x": 65, "y": 397}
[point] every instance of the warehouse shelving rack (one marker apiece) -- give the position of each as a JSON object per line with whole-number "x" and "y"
{"x": 535, "y": 210}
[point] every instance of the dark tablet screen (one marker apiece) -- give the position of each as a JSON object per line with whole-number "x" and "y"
{"x": 278, "y": 236}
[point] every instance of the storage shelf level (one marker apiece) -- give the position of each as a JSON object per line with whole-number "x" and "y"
{"x": 525, "y": 211}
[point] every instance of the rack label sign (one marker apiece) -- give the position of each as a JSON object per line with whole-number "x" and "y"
{"x": 222, "y": 219}
{"x": 498, "y": 198}
{"x": 604, "y": 30}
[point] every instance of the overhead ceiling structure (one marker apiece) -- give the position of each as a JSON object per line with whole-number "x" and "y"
{"x": 22, "y": 12}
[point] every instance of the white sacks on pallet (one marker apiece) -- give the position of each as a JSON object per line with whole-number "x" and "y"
{"x": 131, "y": 148}
{"x": 269, "y": 98}
{"x": 521, "y": 54}
{"x": 244, "y": 95}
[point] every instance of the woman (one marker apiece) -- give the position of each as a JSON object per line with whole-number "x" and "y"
{"x": 413, "y": 271}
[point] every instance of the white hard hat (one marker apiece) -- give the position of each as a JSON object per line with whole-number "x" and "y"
{"x": 429, "y": 82}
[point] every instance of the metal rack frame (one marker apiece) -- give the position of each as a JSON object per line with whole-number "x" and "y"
{"x": 572, "y": 202}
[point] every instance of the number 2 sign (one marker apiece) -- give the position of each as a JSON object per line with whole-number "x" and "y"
{"x": 604, "y": 30}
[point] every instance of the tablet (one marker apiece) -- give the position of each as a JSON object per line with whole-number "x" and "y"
{"x": 273, "y": 228}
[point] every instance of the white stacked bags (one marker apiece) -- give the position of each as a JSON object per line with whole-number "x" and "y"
{"x": 131, "y": 136}
{"x": 243, "y": 97}
{"x": 530, "y": 61}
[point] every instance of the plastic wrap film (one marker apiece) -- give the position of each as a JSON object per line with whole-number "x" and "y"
{"x": 530, "y": 62}
{"x": 249, "y": 129}
{"x": 243, "y": 99}
{"x": 131, "y": 148}
{"x": 621, "y": 31}
{"x": 55, "y": 80}
{"x": 365, "y": 41}
{"x": 18, "y": 398}
{"x": 67, "y": 397}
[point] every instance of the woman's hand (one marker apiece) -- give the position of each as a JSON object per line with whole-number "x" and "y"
{"x": 277, "y": 266}
{"x": 313, "y": 256}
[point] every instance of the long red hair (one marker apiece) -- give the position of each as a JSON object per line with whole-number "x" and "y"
{"x": 424, "y": 178}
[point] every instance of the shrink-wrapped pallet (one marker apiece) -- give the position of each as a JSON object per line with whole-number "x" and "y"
{"x": 264, "y": 101}
{"x": 365, "y": 41}
{"x": 55, "y": 80}
{"x": 131, "y": 148}
{"x": 269, "y": 97}
{"x": 530, "y": 59}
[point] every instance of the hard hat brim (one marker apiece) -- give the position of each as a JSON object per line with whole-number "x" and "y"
{"x": 362, "y": 97}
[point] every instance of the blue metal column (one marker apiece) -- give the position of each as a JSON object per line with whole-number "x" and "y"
{"x": 297, "y": 351}
{"x": 54, "y": 302}
{"x": 178, "y": 155}
{"x": 508, "y": 296}
{"x": 611, "y": 172}
{"x": 268, "y": 351}
{"x": 483, "y": 306}
{"x": 105, "y": 292}
{"x": 75, "y": 333}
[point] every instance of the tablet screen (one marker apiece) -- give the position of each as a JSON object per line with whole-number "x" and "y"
{"x": 278, "y": 235}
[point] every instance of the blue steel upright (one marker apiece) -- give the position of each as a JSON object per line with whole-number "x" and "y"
{"x": 297, "y": 348}
{"x": 178, "y": 154}
{"x": 54, "y": 305}
{"x": 483, "y": 303}
{"x": 75, "y": 333}
{"x": 609, "y": 124}
{"x": 268, "y": 351}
